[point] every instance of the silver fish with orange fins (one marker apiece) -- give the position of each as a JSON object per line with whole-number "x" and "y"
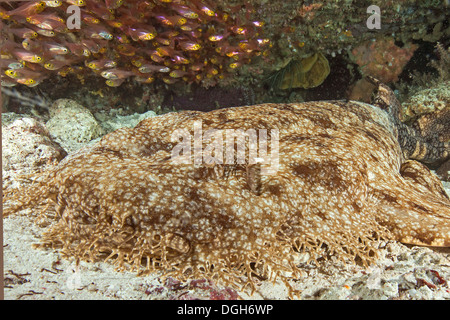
{"x": 27, "y": 9}
{"x": 28, "y": 56}
{"x": 116, "y": 73}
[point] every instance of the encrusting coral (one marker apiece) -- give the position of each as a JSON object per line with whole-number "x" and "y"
{"x": 382, "y": 58}
{"x": 342, "y": 183}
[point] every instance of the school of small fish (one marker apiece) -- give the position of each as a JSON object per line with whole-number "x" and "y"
{"x": 172, "y": 40}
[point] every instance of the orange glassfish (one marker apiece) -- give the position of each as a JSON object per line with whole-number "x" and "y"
{"x": 148, "y": 79}
{"x": 12, "y": 73}
{"x": 189, "y": 45}
{"x": 165, "y": 51}
{"x": 31, "y": 45}
{"x": 93, "y": 46}
{"x": 147, "y": 68}
{"x": 52, "y": 25}
{"x": 11, "y": 64}
{"x": 232, "y": 51}
{"x": 212, "y": 71}
{"x": 55, "y": 64}
{"x": 141, "y": 33}
{"x": 27, "y": 56}
{"x": 22, "y": 73}
{"x": 170, "y": 20}
{"x": 53, "y": 3}
{"x": 157, "y": 57}
{"x": 29, "y": 82}
{"x": 146, "y": 6}
{"x": 154, "y": 55}
{"x": 177, "y": 73}
{"x": 179, "y": 59}
{"x": 169, "y": 80}
{"x": 79, "y": 3}
{"x": 90, "y": 19}
{"x": 100, "y": 64}
{"x": 39, "y": 18}
{"x": 28, "y": 9}
{"x": 192, "y": 26}
{"x": 204, "y": 6}
{"x": 249, "y": 45}
{"x": 164, "y": 41}
{"x": 114, "y": 82}
{"x": 46, "y": 33}
{"x": 78, "y": 49}
{"x": 185, "y": 11}
{"x": 115, "y": 73}
{"x": 98, "y": 32}
{"x": 206, "y": 9}
{"x": 217, "y": 37}
{"x": 24, "y": 33}
{"x": 56, "y": 48}
{"x": 235, "y": 65}
{"x": 114, "y": 23}
{"x": 169, "y": 34}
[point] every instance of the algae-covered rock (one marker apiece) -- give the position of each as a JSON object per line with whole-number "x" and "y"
{"x": 27, "y": 146}
{"x": 72, "y": 125}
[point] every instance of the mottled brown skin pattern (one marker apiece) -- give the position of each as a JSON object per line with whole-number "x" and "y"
{"x": 342, "y": 184}
{"x": 427, "y": 139}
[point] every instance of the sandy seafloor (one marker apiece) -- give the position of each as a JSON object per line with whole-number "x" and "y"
{"x": 402, "y": 272}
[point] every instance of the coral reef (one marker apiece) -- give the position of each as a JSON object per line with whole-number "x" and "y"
{"x": 297, "y": 29}
{"x": 382, "y": 58}
{"x": 193, "y": 41}
{"x": 339, "y": 187}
